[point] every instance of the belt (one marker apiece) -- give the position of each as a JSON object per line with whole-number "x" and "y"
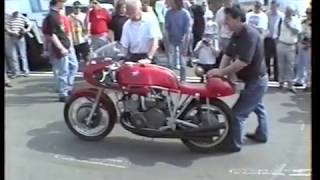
{"x": 288, "y": 44}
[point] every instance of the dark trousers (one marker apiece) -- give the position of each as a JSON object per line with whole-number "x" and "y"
{"x": 82, "y": 51}
{"x": 137, "y": 57}
{"x": 206, "y": 68}
{"x": 270, "y": 50}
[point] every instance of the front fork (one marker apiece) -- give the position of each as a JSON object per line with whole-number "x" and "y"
{"x": 94, "y": 106}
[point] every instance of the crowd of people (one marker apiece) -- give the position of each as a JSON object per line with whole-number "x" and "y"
{"x": 183, "y": 30}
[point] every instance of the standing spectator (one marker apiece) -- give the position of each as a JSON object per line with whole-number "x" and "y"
{"x": 198, "y": 22}
{"x": 16, "y": 29}
{"x": 304, "y": 52}
{"x": 161, "y": 10}
{"x": 118, "y": 19}
{"x": 79, "y": 34}
{"x": 290, "y": 28}
{"x": 98, "y": 19}
{"x": 207, "y": 51}
{"x": 258, "y": 19}
{"x": 57, "y": 28}
{"x": 140, "y": 37}
{"x": 177, "y": 26}
{"x": 224, "y": 32}
{"x": 275, "y": 16}
{"x": 244, "y": 56}
{"x": 149, "y": 13}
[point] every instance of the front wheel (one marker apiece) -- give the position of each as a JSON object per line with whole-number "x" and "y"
{"x": 206, "y": 115}
{"x": 77, "y": 110}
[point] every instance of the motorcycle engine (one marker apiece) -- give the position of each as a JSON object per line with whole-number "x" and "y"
{"x": 147, "y": 112}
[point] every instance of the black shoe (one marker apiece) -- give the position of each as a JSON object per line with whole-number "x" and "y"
{"x": 298, "y": 85}
{"x": 63, "y": 99}
{"x": 189, "y": 64}
{"x": 8, "y": 85}
{"x": 228, "y": 149}
{"x": 253, "y": 137}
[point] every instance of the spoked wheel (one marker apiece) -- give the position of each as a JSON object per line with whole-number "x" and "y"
{"x": 77, "y": 112}
{"x": 216, "y": 113}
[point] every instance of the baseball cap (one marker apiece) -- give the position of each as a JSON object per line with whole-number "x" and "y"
{"x": 76, "y": 4}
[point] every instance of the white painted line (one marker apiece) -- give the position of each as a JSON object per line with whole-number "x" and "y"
{"x": 57, "y": 156}
{"x": 278, "y": 171}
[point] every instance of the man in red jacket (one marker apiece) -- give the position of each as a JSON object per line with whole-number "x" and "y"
{"x": 98, "y": 19}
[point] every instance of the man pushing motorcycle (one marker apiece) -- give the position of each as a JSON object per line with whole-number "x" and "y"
{"x": 244, "y": 56}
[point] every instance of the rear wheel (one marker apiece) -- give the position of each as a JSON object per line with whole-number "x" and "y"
{"x": 77, "y": 110}
{"x": 205, "y": 115}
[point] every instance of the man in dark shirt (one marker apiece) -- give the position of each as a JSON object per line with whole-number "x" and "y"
{"x": 58, "y": 32}
{"x": 244, "y": 56}
{"x": 118, "y": 19}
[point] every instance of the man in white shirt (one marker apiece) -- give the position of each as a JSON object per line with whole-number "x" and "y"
{"x": 258, "y": 19}
{"x": 290, "y": 29}
{"x": 274, "y": 18}
{"x": 140, "y": 35}
{"x": 224, "y": 32}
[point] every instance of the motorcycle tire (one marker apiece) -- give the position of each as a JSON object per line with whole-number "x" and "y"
{"x": 107, "y": 105}
{"x": 193, "y": 145}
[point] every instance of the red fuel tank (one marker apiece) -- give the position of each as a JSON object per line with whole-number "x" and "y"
{"x": 135, "y": 74}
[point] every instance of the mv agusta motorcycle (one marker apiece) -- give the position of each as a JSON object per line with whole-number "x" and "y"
{"x": 151, "y": 102}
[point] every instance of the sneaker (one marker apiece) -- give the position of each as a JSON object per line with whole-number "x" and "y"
{"x": 228, "y": 149}
{"x": 178, "y": 67}
{"x": 298, "y": 85}
{"x": 293, "y": 90}
{"x": 189, "y": 63}
{"x": 25, "y": 75}
{"x": 253, "y": 137}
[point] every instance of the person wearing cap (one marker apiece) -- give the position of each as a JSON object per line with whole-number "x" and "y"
{"x": 258, "y": 19}
{"x": 274, "y": 18}
{"x": 244, "y": 56}
{"x": 57, "y": 29}
{"x": 289, "y": 30}
{"x": 79, "y": 32}
{"x": 304, "y": 54}
{"x": 98, "y": 19}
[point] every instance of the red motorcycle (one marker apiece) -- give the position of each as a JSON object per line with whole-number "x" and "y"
{"x": 150, "y": 101}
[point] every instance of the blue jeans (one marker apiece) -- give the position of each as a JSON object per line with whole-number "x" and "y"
{"x": 303, "y": 66}
{"x": 176, "y": 57}
{"x": 97, "y": 42}
{"x": 16, "y": 47}
{"x": 250, "y": 100}
{"x": 65, "y": 70}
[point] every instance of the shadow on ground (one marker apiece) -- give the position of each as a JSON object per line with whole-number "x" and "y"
{"x": 55, "y": 138}
{"x": 302, "y": 101}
